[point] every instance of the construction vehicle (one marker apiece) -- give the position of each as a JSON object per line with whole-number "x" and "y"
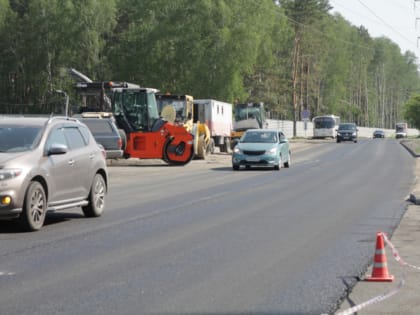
{"x": 179, "y": 109}
{"x": 217, "y": 116}
{"x": 145, "y": 135}
{"x": 247, "y": 116}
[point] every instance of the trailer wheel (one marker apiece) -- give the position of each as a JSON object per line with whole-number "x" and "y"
{"x": 202, "y": 150}
{"x": 210, "y": 147}
{"x": 226, "y": 146}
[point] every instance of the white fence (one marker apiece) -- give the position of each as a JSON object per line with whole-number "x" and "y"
{"x": 305, "y": 130}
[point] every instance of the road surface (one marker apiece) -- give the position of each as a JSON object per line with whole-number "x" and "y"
{"x": 204, "y": 239}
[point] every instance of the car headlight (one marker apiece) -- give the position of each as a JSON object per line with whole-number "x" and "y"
{"x": 236, "y": 150}
{"x": 271, "y": 151}
{"x": 10, "y": 173}
{"x": 354, "y": 134}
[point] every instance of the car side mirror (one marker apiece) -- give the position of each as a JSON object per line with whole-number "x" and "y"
{"x": 57, "y": 149}
{"x": 284, "y": 140}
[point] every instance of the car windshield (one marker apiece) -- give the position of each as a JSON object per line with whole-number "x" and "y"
{"x": 347, "y": 127}
{"x": 260, "y": 137}
{"x": 139, "y": 108}
{"x": 250, "y": 112}
{"x": 179, "y": 107}
{"x": 16, "y": 138}
{"x": 324, "y": 122}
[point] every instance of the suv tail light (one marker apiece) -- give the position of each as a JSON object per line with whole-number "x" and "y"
{"x": 120, "y": 143}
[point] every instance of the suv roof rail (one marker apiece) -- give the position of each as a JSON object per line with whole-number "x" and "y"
{"x": 62, "y": 118}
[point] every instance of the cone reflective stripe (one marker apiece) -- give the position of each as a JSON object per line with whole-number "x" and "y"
{"x": 380, "y": 266}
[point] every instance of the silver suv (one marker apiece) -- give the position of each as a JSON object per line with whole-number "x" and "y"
{"x": 105, "y": 133}
{"x": 49, "y": 164}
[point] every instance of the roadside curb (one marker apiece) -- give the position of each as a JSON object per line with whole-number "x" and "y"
{"x": 414, "y": 196}
{"x": 405, "y": 238}
{"x": 405, "y": 144}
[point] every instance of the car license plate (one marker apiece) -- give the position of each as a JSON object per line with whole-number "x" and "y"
{"x": 252, "y": 159}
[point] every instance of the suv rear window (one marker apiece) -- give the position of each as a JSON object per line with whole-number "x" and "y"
{"x": 99, "y": 126}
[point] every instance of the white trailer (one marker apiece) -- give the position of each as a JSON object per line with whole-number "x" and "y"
{"x": 218, "y": 118}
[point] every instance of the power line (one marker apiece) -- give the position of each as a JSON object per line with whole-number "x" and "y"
{"x": 384, "y": 22}
{"x": 375, "y": 18}
{"x": 351, "y": 10}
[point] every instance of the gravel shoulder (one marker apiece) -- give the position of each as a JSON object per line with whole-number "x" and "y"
{"x": 412, "y": 145}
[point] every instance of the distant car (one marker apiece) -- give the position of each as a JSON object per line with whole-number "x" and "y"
{"x": 106, "y": 133}
{"x": 262, "y": 148}
{"x": 347, "y": 132}
{"x": 49, "y": 164}
{"x": 378, "y": 134}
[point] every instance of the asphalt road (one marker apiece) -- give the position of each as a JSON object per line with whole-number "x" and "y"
{"x": 203, "y": 239}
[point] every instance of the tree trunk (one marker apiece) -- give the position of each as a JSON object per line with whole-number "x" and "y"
{"x": 295, "y": 68}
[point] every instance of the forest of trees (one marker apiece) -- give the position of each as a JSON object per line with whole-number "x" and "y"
{"x": 293, "y": 55}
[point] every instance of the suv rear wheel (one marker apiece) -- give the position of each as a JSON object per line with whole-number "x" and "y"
{"x": 96, "y": 197}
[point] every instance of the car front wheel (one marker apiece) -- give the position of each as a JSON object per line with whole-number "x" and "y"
{"x": 288, "y": 162}
{"x": 34, "y": 207}
{"x": 278, "y": 166}
{"x": 96, "y": 198}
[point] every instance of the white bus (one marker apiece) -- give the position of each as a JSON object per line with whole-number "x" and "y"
{"x": 325, "y": 126}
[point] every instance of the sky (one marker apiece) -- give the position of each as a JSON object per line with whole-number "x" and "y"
{"x": 399, "y": 20}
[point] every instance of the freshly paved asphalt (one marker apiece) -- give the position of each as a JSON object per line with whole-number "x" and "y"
{"x": 62, "y": 265}
{"x": 371, "y": 297}
{"x": 400, "y": 296}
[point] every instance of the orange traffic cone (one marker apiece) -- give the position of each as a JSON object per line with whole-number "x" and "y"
{"x": 380, "y": 268}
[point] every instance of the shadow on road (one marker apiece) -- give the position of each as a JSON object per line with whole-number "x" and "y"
{"x": 12, "y": 226}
